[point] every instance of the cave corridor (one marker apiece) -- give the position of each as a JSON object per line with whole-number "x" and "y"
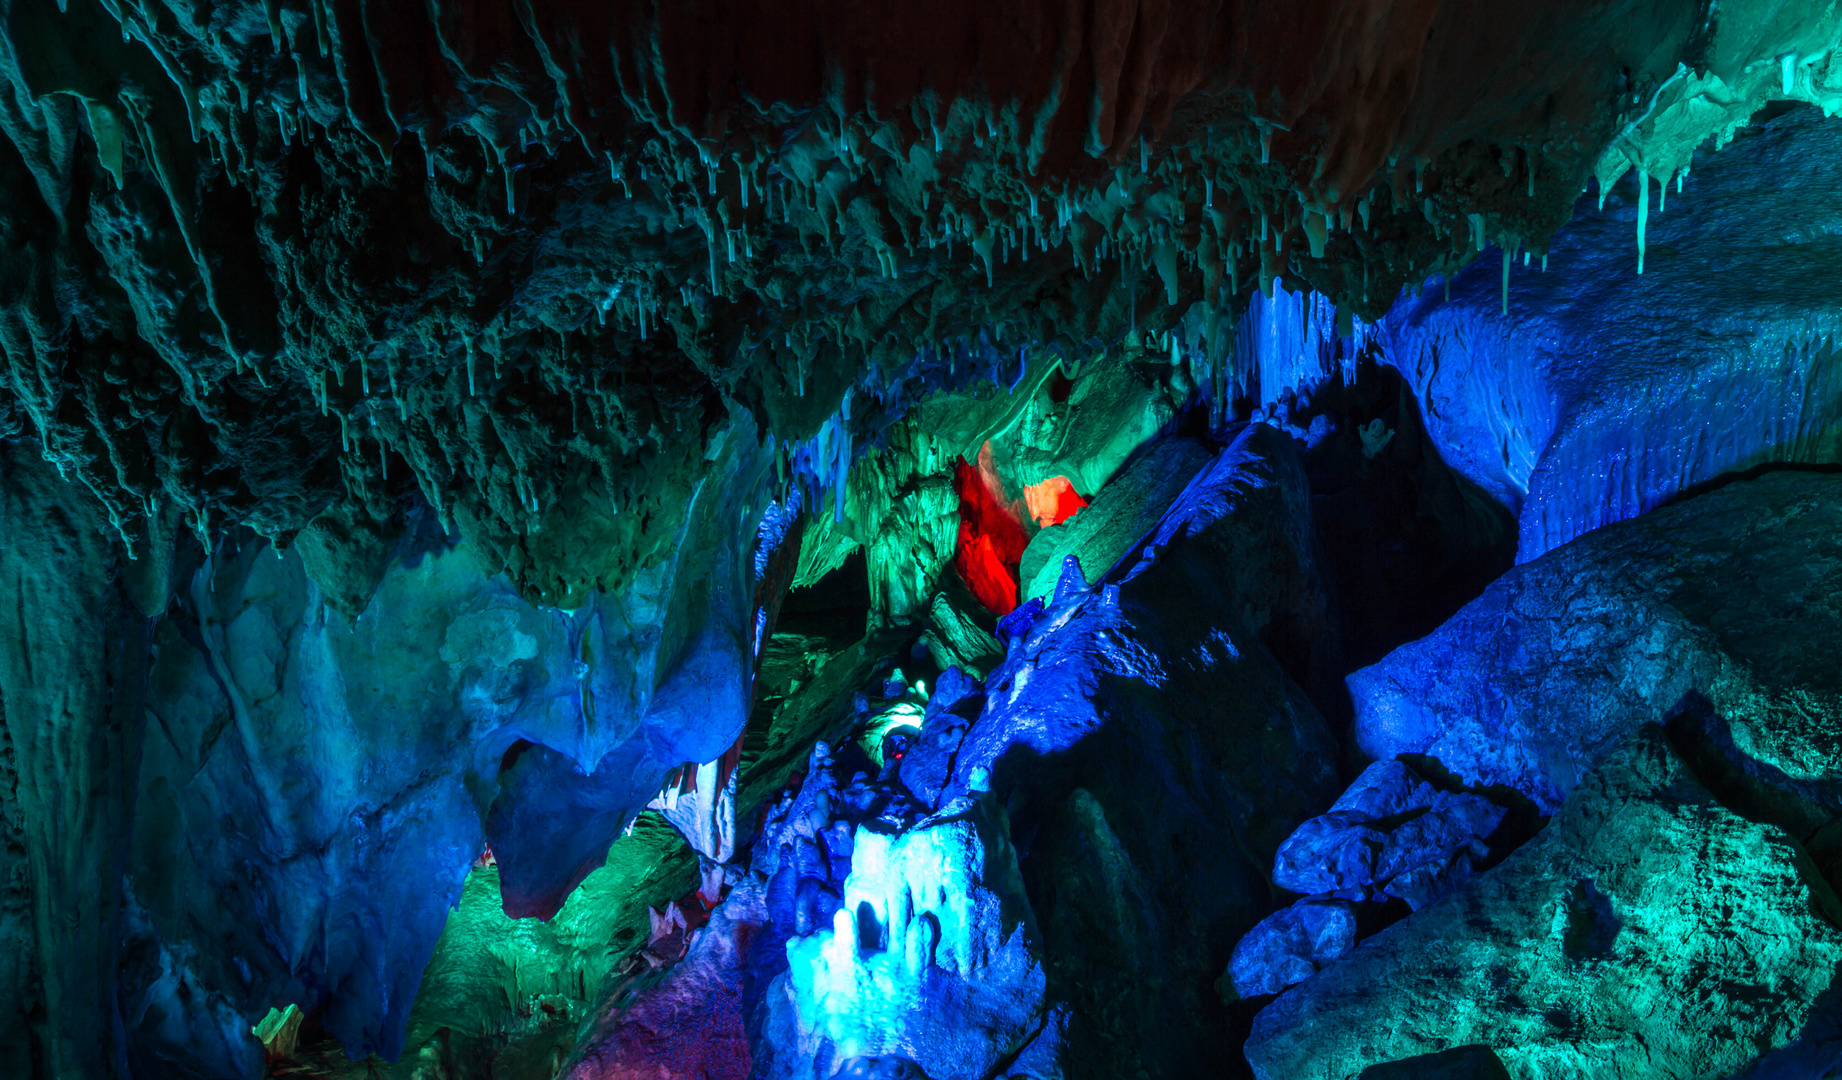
{"x": 920, "y": 540}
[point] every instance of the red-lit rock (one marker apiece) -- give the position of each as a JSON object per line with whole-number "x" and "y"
{"x": 991, "y": 539}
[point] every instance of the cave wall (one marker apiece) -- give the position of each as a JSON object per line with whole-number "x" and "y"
{"x": 394, "y": 394}
{"x": 73, "y": 685}
{"x": 1602, "y": 392}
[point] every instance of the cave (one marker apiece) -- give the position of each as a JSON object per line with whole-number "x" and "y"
{"x": 1023, "y": 540}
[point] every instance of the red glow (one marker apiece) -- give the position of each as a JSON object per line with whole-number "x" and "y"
{"x": 1053, "y": 501}
{"x": 991, "y": 540}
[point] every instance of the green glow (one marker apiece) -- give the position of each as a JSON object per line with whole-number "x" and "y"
{"x": 278, "y": 1031}
{"x": 895, "y": 716}
{"x": 507, "y": 996}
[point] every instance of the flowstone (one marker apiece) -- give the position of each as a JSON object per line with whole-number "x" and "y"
{"x": 1581, "y": 390}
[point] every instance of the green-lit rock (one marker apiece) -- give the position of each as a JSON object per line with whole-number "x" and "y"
{"x": 504, "y": 997}
{"x": 1122, "y": 512}
{"x": 1648, "y": 933}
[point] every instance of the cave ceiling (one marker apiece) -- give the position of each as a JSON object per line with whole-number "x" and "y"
{"x": 288, "y": 265}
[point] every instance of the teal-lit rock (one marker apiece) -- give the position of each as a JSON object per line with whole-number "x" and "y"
{"x": 1648, "y": 933}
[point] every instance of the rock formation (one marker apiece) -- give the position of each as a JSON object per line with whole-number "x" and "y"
{"x": 546, "y": 539}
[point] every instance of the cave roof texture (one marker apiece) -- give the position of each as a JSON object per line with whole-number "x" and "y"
{"x": 286, "y": 265}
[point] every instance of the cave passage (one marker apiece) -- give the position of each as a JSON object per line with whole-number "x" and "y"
{"x": 1018, "y": 540}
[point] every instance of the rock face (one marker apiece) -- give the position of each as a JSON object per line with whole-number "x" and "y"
{"x": 386, "y": 751}
{"x": 1152, "y": 754}
{"x": 500, "y": 321}
{"x": 1648, "y": 932}
{"x": 1597, "y": 395}
{"x": 1727, "y": 599}
{"x": 1104, "y": 806}
{"x": 1119, "y": 515}
{"x": 298, "y": 791}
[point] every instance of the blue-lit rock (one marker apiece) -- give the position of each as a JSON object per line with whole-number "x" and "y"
{"x": 1648, "y": 931}
{"x": 1149, "y": 749}
{"x": 1389, "y": 824}
{"x": 1390, "y": 834}
{"x": 1604, "y": 392}
{"x": 932, "y": 955}
{"x": 1290, "y": 945}
{"x": 956, "y": 702}
{"x": 1229, "y": 564}
{"x": 312, "y": 791}
{"x": 1144, "y": 739}
{"x": 1726, "y": 598}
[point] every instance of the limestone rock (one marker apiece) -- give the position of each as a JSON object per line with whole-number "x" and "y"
{"x": 1648, "y": 932}
{"x": 1118, "y": 515}
{"x": 932, "y": 954}
{"x": 1290, "y": 945}
{"x": 1729, "y": 597}
{"x": 1389, "y": 824}
{"x": 1154, "y": 751}
{"x": 1598, "y": 394}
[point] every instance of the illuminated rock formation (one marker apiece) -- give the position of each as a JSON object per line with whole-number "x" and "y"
{"x": 944, "y": 458}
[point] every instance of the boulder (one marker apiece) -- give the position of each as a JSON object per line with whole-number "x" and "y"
{"x": 1388, "y": 826}
{"x": 1647, "y": 932}
{"x": 1290, "y": 945}
{"x": 1726, "y": 598}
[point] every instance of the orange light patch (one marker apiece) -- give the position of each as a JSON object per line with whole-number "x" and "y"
{"x": 1053, "y": 501}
